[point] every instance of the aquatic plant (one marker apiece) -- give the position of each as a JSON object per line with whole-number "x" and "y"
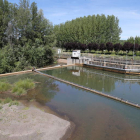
{"x": 1, "y": 107}
{"x": 25, "y": 84}
{"x": 4, "y": 86}
{"x": 22, "y": 86}
{"x": 7, "y": 100}
{"x": 14, "y": 103}
{"x": 18, "y": 90}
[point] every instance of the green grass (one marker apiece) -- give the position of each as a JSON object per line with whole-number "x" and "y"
{"x": 19, "y": 91}
{"x": 22, "y": 86}
{"x": 7, "y": 100}
{"x": 10, "y": 101}
{"x": 4, "y": 86}
{"x": 25, "y": 84}
{"x": 14, "y": 103}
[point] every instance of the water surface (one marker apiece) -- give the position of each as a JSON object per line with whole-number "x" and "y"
{"x": 96, "y": 117}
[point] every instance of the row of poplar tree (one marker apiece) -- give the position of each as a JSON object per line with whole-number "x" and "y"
{"x": 26, "y": 36}
{"x": 95, "y": 28}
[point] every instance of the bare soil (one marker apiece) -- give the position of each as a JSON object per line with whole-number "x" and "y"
{"x": 30, "y": 123}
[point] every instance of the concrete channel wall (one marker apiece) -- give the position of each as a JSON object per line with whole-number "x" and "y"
{"x": 92, "y": 90}
{"x": 29, "y": 71}
{"x": 114, "y": 66}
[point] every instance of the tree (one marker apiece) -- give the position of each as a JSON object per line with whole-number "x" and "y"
{"x": 117, "y": 47}
{"x": 95, "y": 46}
{"x": 109, "y": 46}
{"x": 127, "y": 46}
{"x": 4, "y": 19}
{"x": 91, "y": 29}
{"x": 102, "y": 47}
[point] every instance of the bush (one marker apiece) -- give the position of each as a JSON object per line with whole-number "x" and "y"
{"x": 7, "y": 100}
{"x": 19, "y": 91}
{"x": 21, "y": 86}
{"x": 137, "y": 53}
{"x": 130, "y": 53}
{"x": 14, "y": 103}
{"x": 4, "y": 86}
{"x": 25, "y": 84}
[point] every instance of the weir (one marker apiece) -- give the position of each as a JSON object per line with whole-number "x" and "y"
{"x": 92, "y": 90}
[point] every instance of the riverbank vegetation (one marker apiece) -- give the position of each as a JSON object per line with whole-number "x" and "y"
{"x": 26, "y": 37}
{"x": 8, "y": 101}
{"x": 19, "y": 88}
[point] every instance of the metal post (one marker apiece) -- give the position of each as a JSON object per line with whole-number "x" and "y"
{"x": 126, "y": 57}
{"x": 134, "y": 49}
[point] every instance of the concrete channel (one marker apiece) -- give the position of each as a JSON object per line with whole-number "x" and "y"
{"x": 92, "y": 90}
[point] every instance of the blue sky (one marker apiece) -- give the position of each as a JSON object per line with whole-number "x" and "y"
{"x": 60, "y": 11}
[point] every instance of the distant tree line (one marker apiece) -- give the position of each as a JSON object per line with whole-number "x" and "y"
{"x": 96, "y": 28}
{"x": 127, "y": 46}
{"x": 26, "y": 36}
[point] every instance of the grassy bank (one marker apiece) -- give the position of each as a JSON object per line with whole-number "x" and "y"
{"x": 19, "y": 88}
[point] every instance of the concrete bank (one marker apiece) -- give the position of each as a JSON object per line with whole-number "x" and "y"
{"x": 29, "y": 71}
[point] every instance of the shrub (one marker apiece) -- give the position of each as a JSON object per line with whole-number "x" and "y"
{"x": 19, "y": 91}
{"x": 21, "y": 86}
{"x": 137, "y": 53}
{"x": 25, "y": 84}
{"x": 14, "y": 103}
{"x": 4, "y": 86}
{"x": 7, "y": 100}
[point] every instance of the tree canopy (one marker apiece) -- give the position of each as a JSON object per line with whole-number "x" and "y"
{"x": 26, "y": 36}
{"x": 91, "y": 29}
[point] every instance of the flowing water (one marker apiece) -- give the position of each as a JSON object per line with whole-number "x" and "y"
{"x": 96, "y": 117}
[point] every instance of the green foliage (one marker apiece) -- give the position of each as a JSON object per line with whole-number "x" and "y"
{"x": 137, "y": 53}
{"x": 22, "y": 86}
{"x": 4, "y": 86}
{"x": 19, "y": 91}
{"x": 25, "y": 84}
{"x": 7, "y": 100}
{"x": 14, "y": 103}
{"x": 90, "y": 29}
{"x": 26, "y": 37}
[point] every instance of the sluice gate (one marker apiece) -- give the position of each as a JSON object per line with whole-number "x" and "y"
{"x": 92, "y": 90}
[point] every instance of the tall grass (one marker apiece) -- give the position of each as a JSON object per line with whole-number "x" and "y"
{"x": 7, "y": 100}
{"x": 4, "y": 86}
{"x": 22, "y": 86}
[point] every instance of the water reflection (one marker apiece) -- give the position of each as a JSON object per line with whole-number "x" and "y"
{"x": 44, "y": 91}
{"x": 118, "y": 85}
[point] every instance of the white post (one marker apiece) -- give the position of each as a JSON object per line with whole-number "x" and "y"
{"x": 134, "y": 49}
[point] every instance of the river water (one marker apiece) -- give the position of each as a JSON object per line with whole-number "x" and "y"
{"x": 96, "y": 117}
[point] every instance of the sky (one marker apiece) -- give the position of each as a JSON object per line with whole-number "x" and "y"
{"x": 60, "y": 11}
